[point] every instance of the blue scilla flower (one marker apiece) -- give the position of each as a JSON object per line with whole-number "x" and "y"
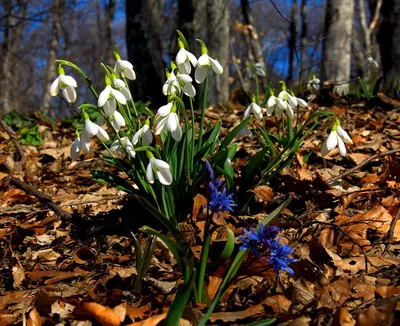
{"x": 218, "y": 202}
{"x": 279, "y": 256}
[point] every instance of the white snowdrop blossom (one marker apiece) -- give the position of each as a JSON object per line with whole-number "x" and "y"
{"x": 125, "y": 67}
{"x": 81, "y": 142}
{"x": 67, "y": 84}
{"x": 167, "y": 120}
{"x": 144, "y": 134}
{"x": 107, "y": 99}
{"x": 123, "y": 146}
{"x": 160, "y": 168}
{"x": 258, "y": 68}
{"x": 283, "y": 106}
{"x": 337, "y": 137}
{"x": 255, "y": 109}
{"x": 372, "y": 62}
{"x": 121, "y": 87}
{"x": 313, "y": 84}
{"x": 272, "y": 104}
{"x": 286, "y": 96}
{"x": 184, "y": 59}
{"x": 185, "y": 82}
{"x": 171, "y": 85}
{"x": 204, "y": 63}
{"x": 301, "y": 102}
{"x": 117, "y": 121}
{"x": 75, "y": 149}
{"x": 91, "y": 129}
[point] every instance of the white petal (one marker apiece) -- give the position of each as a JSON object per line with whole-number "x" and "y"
{"x": 91, "y": 129}
{"x": 109, "y": 107}
{"x": 189, "y": 90}
{"x": 301, "y": 102}
{"x": 270, "y": 110}
{"x": 344, "y": 135}
{"x": 172, "y": 122}
{"x": 160, "y": 127}
{"x": 124, "y": 64}
{"x": 282, "y": 95}
{"x": 200, "y": 74}
{"x": 104, "y": 95}
{"x": 118, "y": 96}
{"x": 130, "y": 73}
{"x": 68, "y": 80}
{"x": 177, "y": 133}
{"x": 204, "y": 60}
{"x": 332, "y": 140}
{"x": 181, "y": 56}
{"x": 102, "y": 134}
{"x": 291, "y": 100}
{"x": 184, "y": 68}
{"x": 75, "y": 149}
{"x": 247, "y": 112}
{"x": 149, "y": 174}
{"x": 289, "y": 111}
{"x": 342, "y": 147}
{"x": 164, "y": 110}
{"x": 125, "y": 91}
{"x": 165, "y": 88}
{"x": 158, "y": 164}
{"x": 118, "y": 83}
{"x": 192, "y": 58}
{"x": 69, "y": 94}
{"x": 216, "y": 66}
{"x": 55, "y": 87}
{"x": 136, "y": 136}
{"x": 85, "y": 143}
{"x": 324, "y": 149}
{"x": 271, "y": 101}
{"x": 185, "y": 78}
{"x": 147, "y": 137}
{"x": 119, "y": 119}
{"x": 165, "y": 177}
{"x": 115, "y": 125}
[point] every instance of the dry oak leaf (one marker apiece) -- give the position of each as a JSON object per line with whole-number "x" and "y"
{"x": 91, "y": 310}
{"x": 34, "y": 318}
{"x": 382, "y": 315}
{"x": 7, "y": 319}
{"x": 388, "y": 291}
{"x": 377, "y": 219}
{"x": 342, "y": 317}
{"x": 354, "y": 265}
{"x": 263, "y": 193}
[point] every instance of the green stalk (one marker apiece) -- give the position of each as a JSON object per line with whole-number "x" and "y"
{"x": 203, "y": 112}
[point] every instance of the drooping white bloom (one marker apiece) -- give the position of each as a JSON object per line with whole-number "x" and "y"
{"x": 126, "y": 67}
{"x": 91, "y": 129}
{"x": 144, "y": 134}
{"x": 167, "y": 120}
{"x": 121, "y": 87}
{"x": 283, "y": 106}
{"x": 255, "y": 109}
{"x": 285, "y": 96}
{"x": 183, "y": 59}
{"x": 272, "y": 104}
{"x": 161, "y": 169}
{"x": 67, "y": 84}
{"x": 185, "y": 82}
{"x": 117, "y": 121}
{"x": 301, "y": 102}
{"x": 75, "y": 149}
{"x": 171, "y": 85}
{"x": 203, "y": 64}
{"x": 313, "y": 84}
{"x": 258, "y": 68}
{"x": 372, "y": 62}
{"x": 337, "y": 137}
{"x": 107, "y": 100}
{"x": 124, "y": 145}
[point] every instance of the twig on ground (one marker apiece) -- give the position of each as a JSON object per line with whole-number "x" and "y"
{"x": 362, "y": 164}
{"x": 20, "y": 151}
{"x": 389, "y": 235}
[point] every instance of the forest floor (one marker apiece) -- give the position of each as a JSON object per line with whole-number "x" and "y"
{"x": 67, "y": 256}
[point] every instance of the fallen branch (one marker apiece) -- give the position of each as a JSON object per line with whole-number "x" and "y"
{"x": 362, "y": 164}
{"x": 20, "y": 151}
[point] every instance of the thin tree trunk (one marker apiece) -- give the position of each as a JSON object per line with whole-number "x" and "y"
{"x": 292, "y": 40}
{"x": 337, "y": 43}
{"x": 109, "y": 9}
{"x": 58, "y": 7}
{"x": 304, "y": 28}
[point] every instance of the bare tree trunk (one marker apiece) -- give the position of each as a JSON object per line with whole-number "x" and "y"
{"x": 337, "y": 43}
{"x": 304, "y": 29}
{"x": 143, "y": 40}
{"x": 109, "y": 9}
{"x": 12, "y": 36}
{"x": 292, "y": 40}
{"x": 389, "y": 40}
{"x": 58, "y": 8}
{"x": 252, "y": 39}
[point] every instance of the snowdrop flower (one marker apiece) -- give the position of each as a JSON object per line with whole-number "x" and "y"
{"x": 121, "y": 87}
{"x": 185, "y": 82}
{"x": 122, "y": 146}
{"x": 372, "y": 62}
{"x": 108, "y": 97}
{"x": 286, "y": 96}
{"x": 82, "y": 141}
{"x": 167, "y": 120}
{"x": 160, "y": 168}
{"x": 171, "y": 86}
{"x": 67, "y": 84}
{"x": 257, "y": 68}
{"x": 272, "y": 103}
{"x": 204, "y": 63}
{"x": 184, "y": 58}
{"x": 124, "y": 66}
{"x": 337, "y": 137}
{"x": 255, "y": 109}
{"x": 301, "y": 102}
{"x": 283, "y": 106}
{"x": 313, "y": 84}
{"x": 91, "y": 129}
{"x": 117, "y": 121}
{"x": 144, "y": 134}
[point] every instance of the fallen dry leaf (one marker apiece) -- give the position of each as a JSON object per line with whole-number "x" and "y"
{"x": 91, "y": 310}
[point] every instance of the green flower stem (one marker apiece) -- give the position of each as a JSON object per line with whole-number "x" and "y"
{"x": 203, "y": 112}
{"x": 126, "y": 117}
{"x": 131, "y": 100}
{"x": 192, "y": 151}
{"x": 257, "y": 88}
{"x": 187, "y": 149}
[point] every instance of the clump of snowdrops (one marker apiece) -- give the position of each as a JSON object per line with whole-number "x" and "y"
{"x": 170, "y": 159}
